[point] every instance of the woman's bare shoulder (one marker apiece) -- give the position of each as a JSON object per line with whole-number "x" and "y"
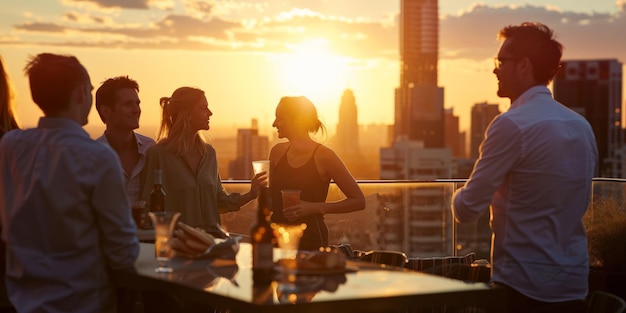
{"x": 326, "y": 152}
{"x": 278, "y": 149}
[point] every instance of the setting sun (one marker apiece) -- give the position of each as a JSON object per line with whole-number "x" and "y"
{"x": 310, "y": 69}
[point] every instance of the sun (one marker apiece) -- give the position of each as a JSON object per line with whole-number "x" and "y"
{"x": 310, "y": 69}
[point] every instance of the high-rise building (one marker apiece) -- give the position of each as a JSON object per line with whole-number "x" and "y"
{"x": 418, "y": 99}
{"x": 347, "y": 135}
{"x": 454, "y": 139}
{"x": 417, "y": 217}
{"x": 419, "y": 42}
{"x": 593, "y": 88}
{"x": 418, "y": 221}
{"x": 250, "y": 147}
{"x": 482, "y": 115}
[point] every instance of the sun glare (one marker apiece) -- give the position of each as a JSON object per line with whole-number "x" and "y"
{"x": 311, "y": 69}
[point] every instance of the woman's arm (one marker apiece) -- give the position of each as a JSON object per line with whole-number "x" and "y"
{"x": 257, "y": 181}
{"x": 330, "y": 165}
{"x": 334, "y": 167}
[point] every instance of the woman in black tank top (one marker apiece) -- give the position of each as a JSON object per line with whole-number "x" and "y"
{"x": 308, "y": 166}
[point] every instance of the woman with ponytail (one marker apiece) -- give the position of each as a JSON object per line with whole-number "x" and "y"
{"x": 304, "y": 164}
{"x": 188, "y": 164}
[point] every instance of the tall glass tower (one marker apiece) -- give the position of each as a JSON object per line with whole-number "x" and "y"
{"x": 419, "y": 113}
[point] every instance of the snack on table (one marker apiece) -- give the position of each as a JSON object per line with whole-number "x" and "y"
{"x": 190, "y": 242}
{"x": 323, "y": 259}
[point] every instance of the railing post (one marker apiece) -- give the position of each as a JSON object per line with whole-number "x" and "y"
{"x": 454, "y": 224}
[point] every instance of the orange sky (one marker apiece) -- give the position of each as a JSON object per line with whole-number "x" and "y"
{"x": 246, "y": 56}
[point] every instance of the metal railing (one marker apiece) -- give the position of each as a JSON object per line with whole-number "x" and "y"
{"x": 414, "y": 217}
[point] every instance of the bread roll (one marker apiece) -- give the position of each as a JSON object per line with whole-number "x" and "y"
{"x": 197, "y": 234}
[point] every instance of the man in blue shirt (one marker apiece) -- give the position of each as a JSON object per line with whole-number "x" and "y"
{"x": 65, "y": 214}
{"x": 534, "y": 171}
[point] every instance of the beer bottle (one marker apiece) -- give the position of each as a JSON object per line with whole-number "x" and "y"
{"x": 263, "y": 241}
{"x": 157, "y": 196}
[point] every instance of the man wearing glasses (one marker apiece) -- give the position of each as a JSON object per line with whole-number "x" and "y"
{"x": 534, "y": 171}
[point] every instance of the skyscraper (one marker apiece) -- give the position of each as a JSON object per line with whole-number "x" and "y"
{"x": 454, "y": 139}
{"x": 418, "y": 221}
{"x": 415, "y": 221}
{"x": 593, "y": 88}
{"x": 419, "y": 42}
{"x": 250, "y": 147}
{"x": 482, "y": 115}
{"x": 418, "y": 100}
{"x": 347, "y": 136}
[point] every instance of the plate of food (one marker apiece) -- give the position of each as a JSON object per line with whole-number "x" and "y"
{"x": 195, "y": 243}
{"x": 315, "y": 263}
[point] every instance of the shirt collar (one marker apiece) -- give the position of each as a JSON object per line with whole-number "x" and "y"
{"x": 61, "y": 122}
{"x": 530, "y": 93}
{"x": 141, "y": 145}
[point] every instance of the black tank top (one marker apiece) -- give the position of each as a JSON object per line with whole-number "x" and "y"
{"x": 313, "y": 188}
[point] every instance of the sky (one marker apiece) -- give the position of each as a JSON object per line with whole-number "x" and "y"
{"x": 248, "y": 54}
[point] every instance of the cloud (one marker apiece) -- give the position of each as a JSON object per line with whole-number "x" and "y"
{"x": 40, "y": 27}
{"x": 201, "y": 7}
{"x": 345, "y": 37}
{"x": 123, "y": 4}
{"x": 180, "y": 26}
{"x": 472, "y": 34}
{"x": 77, "y": 17}
{"x": 197, "y": 31}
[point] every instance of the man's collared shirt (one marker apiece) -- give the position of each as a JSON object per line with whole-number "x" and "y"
{"x": 535, "y": 169}
{"x": 65, "y": 218}
{"x": 133, "y": 180}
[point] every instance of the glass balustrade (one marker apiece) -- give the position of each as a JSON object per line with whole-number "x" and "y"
{"x": 414, "y": 217}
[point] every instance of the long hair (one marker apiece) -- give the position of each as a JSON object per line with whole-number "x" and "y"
{"x": 8, "y": 120}
{"x": 175, "y": 131}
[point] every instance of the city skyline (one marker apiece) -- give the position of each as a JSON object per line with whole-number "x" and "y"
{"x": 246, "y": 55}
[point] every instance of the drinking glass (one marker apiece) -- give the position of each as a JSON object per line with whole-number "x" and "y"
{"x": 290, "y": 197}
{"x": 288, "y": 238}
{"x": 164, "y": 223}
{"x": 260, "y": 166}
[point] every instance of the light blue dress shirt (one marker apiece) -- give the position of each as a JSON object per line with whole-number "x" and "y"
{"x": 535, "y": 169}
{"x": 65, "y": 218}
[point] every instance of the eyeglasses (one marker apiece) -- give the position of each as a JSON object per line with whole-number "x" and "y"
{"x": 497, "y": 61}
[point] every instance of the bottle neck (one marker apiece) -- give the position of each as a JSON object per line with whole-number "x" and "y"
{"x": 263, "y": 212}
{"x": 158, "y": 178}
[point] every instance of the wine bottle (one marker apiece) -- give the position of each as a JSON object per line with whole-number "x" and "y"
{"x": 157, "y": 196}
{"x": 263, "y": 292}
{"x": 262, "y": 238}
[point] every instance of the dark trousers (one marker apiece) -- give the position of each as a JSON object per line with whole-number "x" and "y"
{"x": 516, "y": 302}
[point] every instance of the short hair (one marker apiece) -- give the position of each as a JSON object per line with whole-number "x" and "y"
{"x": 302, "y": 109}
{"x": 106, "y": 93}
{"x": 536, "y": 42}
{"x": 53, "y": 78}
